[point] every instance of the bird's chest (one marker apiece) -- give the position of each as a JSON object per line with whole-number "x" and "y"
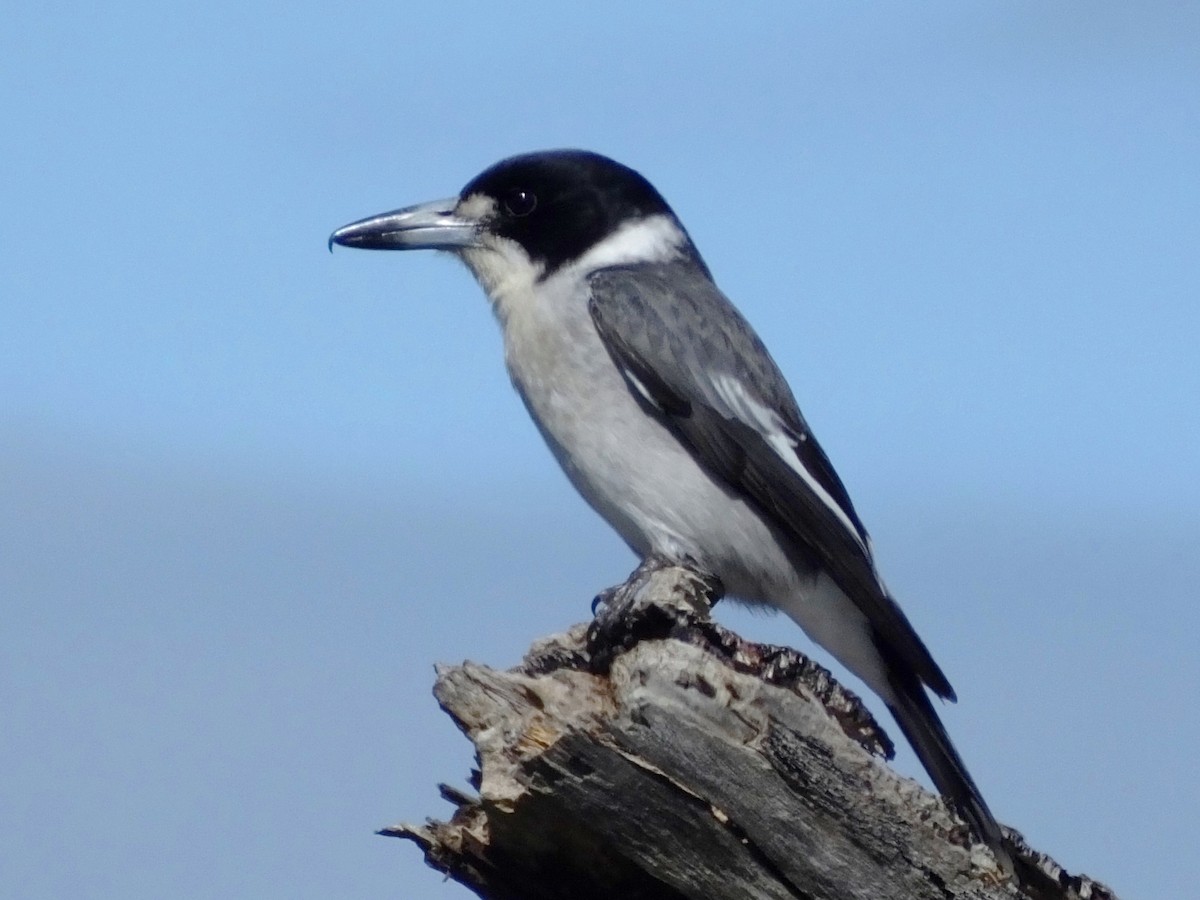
{"x": 560, "y": 367}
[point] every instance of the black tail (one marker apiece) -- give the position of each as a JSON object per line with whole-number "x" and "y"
{"x": 924, "y": 730}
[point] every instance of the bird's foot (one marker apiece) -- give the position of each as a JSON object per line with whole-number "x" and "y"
{"x": 658, "y": 594}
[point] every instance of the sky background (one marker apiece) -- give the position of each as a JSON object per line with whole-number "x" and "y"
{"x": 250, "y": 492}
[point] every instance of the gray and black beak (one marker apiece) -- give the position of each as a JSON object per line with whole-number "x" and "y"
{"x": 427, "y": 226}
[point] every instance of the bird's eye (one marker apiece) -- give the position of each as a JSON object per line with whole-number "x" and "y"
{"x": 520, "y": 203}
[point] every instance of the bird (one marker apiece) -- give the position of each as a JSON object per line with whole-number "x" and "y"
{"x": 670, "y": 417}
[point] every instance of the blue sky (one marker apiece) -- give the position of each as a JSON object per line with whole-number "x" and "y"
{"x": 250, "y": 491}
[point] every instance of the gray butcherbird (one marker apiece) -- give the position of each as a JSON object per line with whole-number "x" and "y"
{"x": 671, "y": 419}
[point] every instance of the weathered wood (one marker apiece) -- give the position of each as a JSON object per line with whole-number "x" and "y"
{"x": 661, "y": 756}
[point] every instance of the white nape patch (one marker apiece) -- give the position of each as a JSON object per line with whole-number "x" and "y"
{"x": 767, "y": 422}
{"x": 510, "y": 277}
{"x": 653, "y": 239}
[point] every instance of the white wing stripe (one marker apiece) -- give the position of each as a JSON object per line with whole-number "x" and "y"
{"x": 641, "y": 388}
{"x": 786, "y": 450}
{"x": 768, "y": 424}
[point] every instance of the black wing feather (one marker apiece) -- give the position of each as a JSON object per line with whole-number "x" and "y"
{"x": 639, "y": 319}
{"x": 639, "y": 312}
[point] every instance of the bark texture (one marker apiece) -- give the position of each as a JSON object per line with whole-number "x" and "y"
{"x": 658, "y": 755}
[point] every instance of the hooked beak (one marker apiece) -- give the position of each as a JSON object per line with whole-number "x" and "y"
{"x": 426, "y": 226}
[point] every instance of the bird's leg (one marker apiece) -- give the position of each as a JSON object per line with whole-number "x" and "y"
{"x": 655, "y": 596}
{"x": 671, "y": 580}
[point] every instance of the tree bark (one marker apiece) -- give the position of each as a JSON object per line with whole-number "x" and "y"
{"x": 661, "y": 756}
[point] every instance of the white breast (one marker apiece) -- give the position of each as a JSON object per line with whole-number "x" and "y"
{"x": 634, "y": 472}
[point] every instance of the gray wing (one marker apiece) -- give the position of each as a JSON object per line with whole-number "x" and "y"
{"x": 685, "y": 349}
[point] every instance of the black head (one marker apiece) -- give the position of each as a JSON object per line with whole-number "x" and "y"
{"x": 554, "y": 205}
{"x": 557, "y": 204}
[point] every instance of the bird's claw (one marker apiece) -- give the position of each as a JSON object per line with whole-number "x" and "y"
{"x": 647, "y": 605}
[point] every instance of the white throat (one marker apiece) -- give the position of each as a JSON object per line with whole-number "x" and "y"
{"x": 510, "y": 277}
